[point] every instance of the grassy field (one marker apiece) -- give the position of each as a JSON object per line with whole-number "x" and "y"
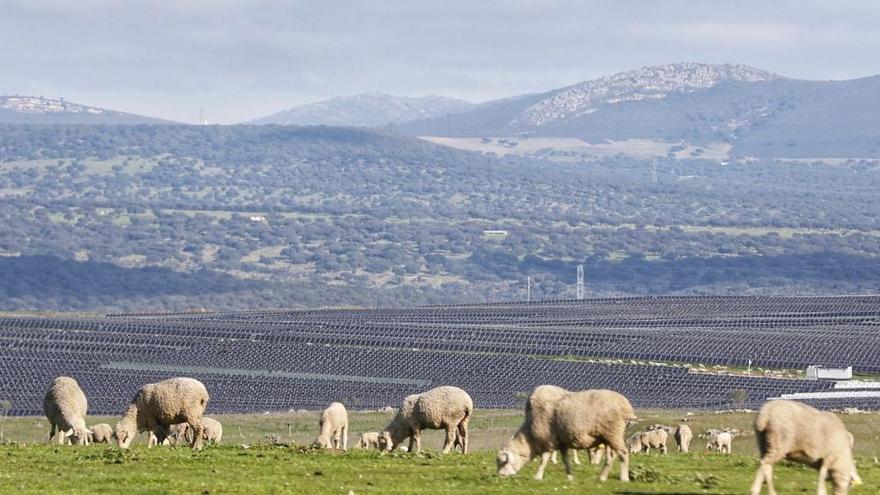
{"x": 248, "y": 463}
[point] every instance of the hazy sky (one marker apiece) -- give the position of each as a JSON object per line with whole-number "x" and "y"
{"x": 244, "y": 59}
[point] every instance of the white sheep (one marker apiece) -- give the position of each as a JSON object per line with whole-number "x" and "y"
{"x": 172, "y": 401}
{"x": 722, "y": 441}
{"x": 790, "y": 430}
{"x": 445, "y": 407}
{"x": 683, "y": 436}
{"x": 334, "y": 428}
{"x": 368, "y": 440}
{"x": 212, "y": 430}
{"x": 560, "y": 420}
{"x": 656, "y": 438}
{"x": 101, "y": 433}
{"x": 65, "y": 406}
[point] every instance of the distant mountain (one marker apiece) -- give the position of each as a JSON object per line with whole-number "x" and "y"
{"x": 367, "y": 110}
{"x": 758, "y": 112}
{"x": 40, "y": 110}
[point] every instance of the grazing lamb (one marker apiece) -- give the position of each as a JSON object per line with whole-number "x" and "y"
{"x": 65, "y": 406}
{"x": 448, "y": 408}
{"x": 212, "y": 430}
{"x": 683, "y": 436}
{"x": 368, "y": 440}
{"x": 101, "y": 433}
{"x": 172, "y": 401}
{"x": 722, "y": 441}
{"x": 334, "y": 428}
{"x": 790, "y": 430}
{"x": 561, "y": 420}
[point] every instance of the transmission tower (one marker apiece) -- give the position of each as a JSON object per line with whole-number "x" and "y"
{"x": 580, "y": 285}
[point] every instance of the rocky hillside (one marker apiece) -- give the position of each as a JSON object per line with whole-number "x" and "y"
{"x": 758, "y": 113}
{"x": 41, "y": 110}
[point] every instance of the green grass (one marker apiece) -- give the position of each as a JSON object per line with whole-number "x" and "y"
{"x": 246, "y": 463}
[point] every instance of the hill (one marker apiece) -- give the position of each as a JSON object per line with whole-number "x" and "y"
{"x": 41, "y": 110}
{"x": 755, "y": 112}
{"x": 171, "y": 217}
{"x": 367, "y": 110}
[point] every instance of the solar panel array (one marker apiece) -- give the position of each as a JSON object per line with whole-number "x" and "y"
{"x": 255, "y": 361}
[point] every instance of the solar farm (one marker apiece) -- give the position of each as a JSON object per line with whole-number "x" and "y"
{"x": 660, "y": 352}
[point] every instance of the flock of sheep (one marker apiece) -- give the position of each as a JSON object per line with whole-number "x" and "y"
{"x": 556, "y": 420}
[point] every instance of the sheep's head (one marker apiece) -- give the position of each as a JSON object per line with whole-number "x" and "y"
{"x": 124, "y": 433}
{"x": 385, "y": 442}
{"x": 79, "y": 436}
{"x": 509, "y": 462}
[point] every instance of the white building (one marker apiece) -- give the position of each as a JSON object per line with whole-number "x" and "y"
{"x": 827, "y": 373}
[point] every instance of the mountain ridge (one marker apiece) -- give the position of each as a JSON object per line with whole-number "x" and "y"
{"x": 366, "y": 110}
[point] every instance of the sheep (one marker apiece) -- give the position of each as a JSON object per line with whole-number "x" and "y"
{"x": 560, "y": 420}
{"x": 654, "y": 439}
{"x": 171, "y": 401}
{"x": 169, "y": 435}
{"x": 101, "y": 433}
{"x": 683, "y": 436}
{"x": 334, "y": 424}
{"x": 791, "y": 430}
{"x": 445, "y": 407}
{"x": 65, "y": 406}
{"x": 212, "y": 430}
{"x": 368, "y": 440}
{"x": 722, "y": 441}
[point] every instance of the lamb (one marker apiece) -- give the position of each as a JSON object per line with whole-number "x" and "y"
{"x": 101, "y": 433}
{"x": 171, "y": 435}
{"x": 683, "y": 436}
{"x": 560, "y": 420}
{"x": 212, "y": 430}
{"x": 722, "y": 441}
{"x": 368, "y": 440}
{"x": 171, "y": 401}
{"x": 65, "y": 406}
{"x": 445, "y": 407}
{"x": 790, "y": 430}
{"x": 334, "y": 424}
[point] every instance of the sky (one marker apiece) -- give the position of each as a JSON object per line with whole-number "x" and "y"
{"x": 240, "y": 59}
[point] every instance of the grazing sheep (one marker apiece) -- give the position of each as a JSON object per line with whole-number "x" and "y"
{"x": 561, "y": 420}
{"x": 683, "y": 436}
{"x": 172, "y": 401}
{"x": 65, "y": 406}
{"x": 212, "y": 430}
{"x": 448, "y": 408}
{"x": 790, "y": 430}
{"x": 334, "y": 428}
{"x": 655, "y": 439}
{"x": 171, "y": 435}
{"x": 368, "y": 440}
{"x": 101, "y": 433}
{"x": 722, "y": 441}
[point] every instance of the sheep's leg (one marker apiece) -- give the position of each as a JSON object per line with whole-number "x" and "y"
{"x": 450, "y": 439}
{"x": 823, "y": 478}
{"x": 463, "y": 435}
{"x": 545, "y": 458}
{"x": 574, "y": 457}
{"x": 566, "y": 459}
{"x": 664, "y": 449}
{"x": 51, "y": 432}
{"x": 345, "y": 438}
{"x": 553, "y": 457}
{"x": 764, "y": 475}
{"x": 198, "y": 432}
{"x": 415, "y": 441}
